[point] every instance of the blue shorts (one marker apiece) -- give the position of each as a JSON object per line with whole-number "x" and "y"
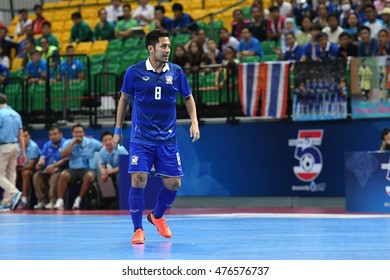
{"x": 166, "y": 159}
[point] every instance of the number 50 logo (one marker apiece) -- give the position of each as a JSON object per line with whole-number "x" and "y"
{"x": 307, "y": 153}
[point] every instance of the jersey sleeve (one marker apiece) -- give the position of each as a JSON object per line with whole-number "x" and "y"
{"x": 122, "y": 151}
{"x": 184, "y": 87}
{"x": 128, "y": 80}
{"x": 102, "y": 158}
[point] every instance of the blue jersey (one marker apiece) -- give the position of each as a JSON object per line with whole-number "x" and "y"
{"x": 10, "y": 124}
{"x": 36, "y": 70}
{"x": 51, "y": 153}
{"x": 72, "y": 69}
{"x": 113, "y": 157}
{"x": 32, "y": 151}
{"x": 83, "y": 155}
{"x": 154, "y": 101}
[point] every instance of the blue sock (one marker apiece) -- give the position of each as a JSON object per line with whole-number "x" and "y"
{"x": 136, "y": 206}
{"x": 165, "y": 199}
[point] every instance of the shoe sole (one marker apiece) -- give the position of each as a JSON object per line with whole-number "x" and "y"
{"x": 149, "y": 217}
{"x": 17, "y": 200}
{"x": 138, "y": 242}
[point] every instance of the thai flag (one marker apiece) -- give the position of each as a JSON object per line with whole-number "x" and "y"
{"x": 249, "y": 82}
{"x": 268, "y": 78}
{"x": 275, "y": 89}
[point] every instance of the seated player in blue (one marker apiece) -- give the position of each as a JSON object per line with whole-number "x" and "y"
{"x": 80, "y": 152}
{"x": 152, "y": 85}
{"x": 36, "y": 69}
{"x": 109, "y": 157}
{"x": 71, "y": 69}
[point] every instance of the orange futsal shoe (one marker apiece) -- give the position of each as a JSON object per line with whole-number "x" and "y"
{"x": 138, "y": 237}
{"x": 161, "y": 225}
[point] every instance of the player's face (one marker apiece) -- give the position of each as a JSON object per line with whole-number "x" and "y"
{"x": 107, "y": 142}
{"x": 382, "y": 37}
{"x": 364, "y": 35}
{"x": 26, "y": 137}
{"x": 162, "y": 50}
{"x": 78, "y": 132}
{"x": 387, "y": 138}
{"x": 55, "y": 136}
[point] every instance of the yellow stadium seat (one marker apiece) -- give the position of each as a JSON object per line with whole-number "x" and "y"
{"x": 62, "y": 4}
{"x": 98, "y": 48}
{"x": 91, "y": 22}
{"x": 88, "y": 2}
{"x": 16, "y": 64}
{"x": 83, "y": 48}
{"x": 57, "y": 26}
{"x": 61, "y": 16}
{"x": 49, "y": 5}
{"x": 68, "y": 25}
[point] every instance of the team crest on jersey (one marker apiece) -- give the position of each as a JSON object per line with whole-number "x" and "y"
{"x": 145, "y": 78}
{"x": 134, "y": 160}
{"x": 169, "y": 80}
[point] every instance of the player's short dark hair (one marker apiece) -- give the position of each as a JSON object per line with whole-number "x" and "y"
{"x": 332, "y": 16}
{"x": 291, "y": 33}
{"x": 34, "y": 51}
{"x": 37, "y": 6}
{"x": 246, "y": 27}
{"x": 383, "y": 30}
{"x": 369, "y": 6}
{"x": 274, "y": 9}
{"x": 76, "y": 15}
{"x": 69, "y": 47}
{"x": 152, "y": 38}
{"x": 177, "y": 7}
{"x": 78, "y": 125}
{"x": 321, "y": 35}
{"x": 105, "y": 133}
{"x": 345, "y": 34}
{"x": 22, "y": 11}
{"x": 127, "y": 6}
{"x": 384, "y": 132}
{"x": 159, "y": 8}
{"x": 3, "y": 98}
{"x": 54, "y": 127}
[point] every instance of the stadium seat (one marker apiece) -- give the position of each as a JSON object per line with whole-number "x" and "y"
{"x": 270, "y": 57}
{"x": 115, "y": 45}
{"x": 83, "y": 47}
{"x": 17, "y": 64}
{"x": 249, "y": 59}
{"x": 268, "y": 47}
{"x": 247, "y": 12}
{"x": 57, "y": 26}
{"x": 97, "y": 59}
{"x": 131, "y": 43}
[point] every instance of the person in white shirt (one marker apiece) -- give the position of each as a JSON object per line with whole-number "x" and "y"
{"x": 285, "y": 8}
{"x": 373, "y": 22}
{"x": 114, "y": 11}
{"x": 144, "y": 13}
{"x": 23, "y": 22}
{"x": 333, "y": 30}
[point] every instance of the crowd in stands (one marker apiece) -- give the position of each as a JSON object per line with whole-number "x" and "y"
{"x": 302, "y": 30}
{"x": 63, "y": 163}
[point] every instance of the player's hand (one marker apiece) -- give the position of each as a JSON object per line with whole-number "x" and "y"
{"x": 116, "y": 140}
{"x": 194, "y": 132}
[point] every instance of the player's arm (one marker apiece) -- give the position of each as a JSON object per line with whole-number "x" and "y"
{"x": 191, "y": 109}
{"x": 120, "y": 116}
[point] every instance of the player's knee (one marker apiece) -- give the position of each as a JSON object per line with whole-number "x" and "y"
{"x": 174, "y": 184}
{"x": 138, "y": 181}
{"x": 65, "y": 176}
{"x": 89, "y": 177}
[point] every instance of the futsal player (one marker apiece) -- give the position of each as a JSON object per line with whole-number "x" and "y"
{"x": 152, "y": 86}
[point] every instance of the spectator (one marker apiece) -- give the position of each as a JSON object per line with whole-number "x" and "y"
{"x": 36, "y": 69}
{"x": 144, "y": 13}
{"x": 71, "y": 69}
{"x": 372, "y": 22}
{"x": 109, "y": 157}
{"x": 38, "y": 21}
{"x": 385, "y": 13}
{"x": 346, "y": 9}
{"x": 293, "y": 50}
{"x": 4, "y": 60}
{"x": 25, "y": 171}
{"x": 46, "y": 33}
{"x": 4, "y": 74}
{"x": 383, "y": 42}
{"x": 285, "y": 8}
{"x": 238, "y": 23}
{"x": 196, "y": 55}
{"x": 213, "y": 56}
{"x": 230, "y": 61}
{"x": 160, "y": 20}
{"x": 275, "y": 24}
{"x": 80, "y": 151}
{"x": 368, "y": 46}
{"x": 258, "y": 26}
{"x": 249, "y": 46}
{"x": 181, "y": 57}
{"x": 322, "y": 15}
{"x": 51, "y": 55}
{"x": 289, "y": 27}
{"x": 360, "y": 9}
{"x": 104, "y": 30}
{"x": 80, "y": 32}
{"x": 23, "y": 22}
{"x": 333, "y": 30}
{"x": 123, "y": 29}
{"x": 304, "y": 37}
{"x": 301, "y": 9}
{"x": 352, "y": 25}
{"x": 309, "y": 50}
{"x": 114, "y": 11}
{"x": 330, "y": 8}
{"x": 27, "y": 45}
{"x": 326, "y": 50}
{"x": 48, "y": 168}
{"x": 347, "y": 47}
{"x": 225, "y": 40}
{"x": 379, "y": 5}
{"x": 183, "y": 22}
{"x": 5, "y": 43}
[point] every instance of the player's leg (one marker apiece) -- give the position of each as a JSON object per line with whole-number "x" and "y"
{"x": 140, "y": 162}
{"x": 88, "y": 176}
{"x": 65, "y": 178}
{"x": 168, "y": 165}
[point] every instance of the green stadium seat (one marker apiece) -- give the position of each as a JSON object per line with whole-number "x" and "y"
{"x": 36, "y": 97}
{"x": 14, "y": 96}
{"x": 97, "y": 59}
{"x": 247, "y": 12}
{"x": 131, "y": 43}
{"x": 115, "y": 45}
{"x": 268, "y": 47}
{"x": 57, "y": 95}
{"x": 250, "y": 59}
{"x": 75, "y": 95}
{"x": 270, "y": 57}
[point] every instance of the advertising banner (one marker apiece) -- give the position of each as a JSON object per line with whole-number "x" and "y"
{"x": 320, "y": 91}
{"x": 370, "y": 87}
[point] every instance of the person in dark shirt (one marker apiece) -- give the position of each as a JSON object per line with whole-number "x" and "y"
{"x": 347, "y": 47}
{"x": 182, "y": 23}
{"x": 161, "y": 21}
{"x": 259, "y": 24}
{"x": 6, "y": 44}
